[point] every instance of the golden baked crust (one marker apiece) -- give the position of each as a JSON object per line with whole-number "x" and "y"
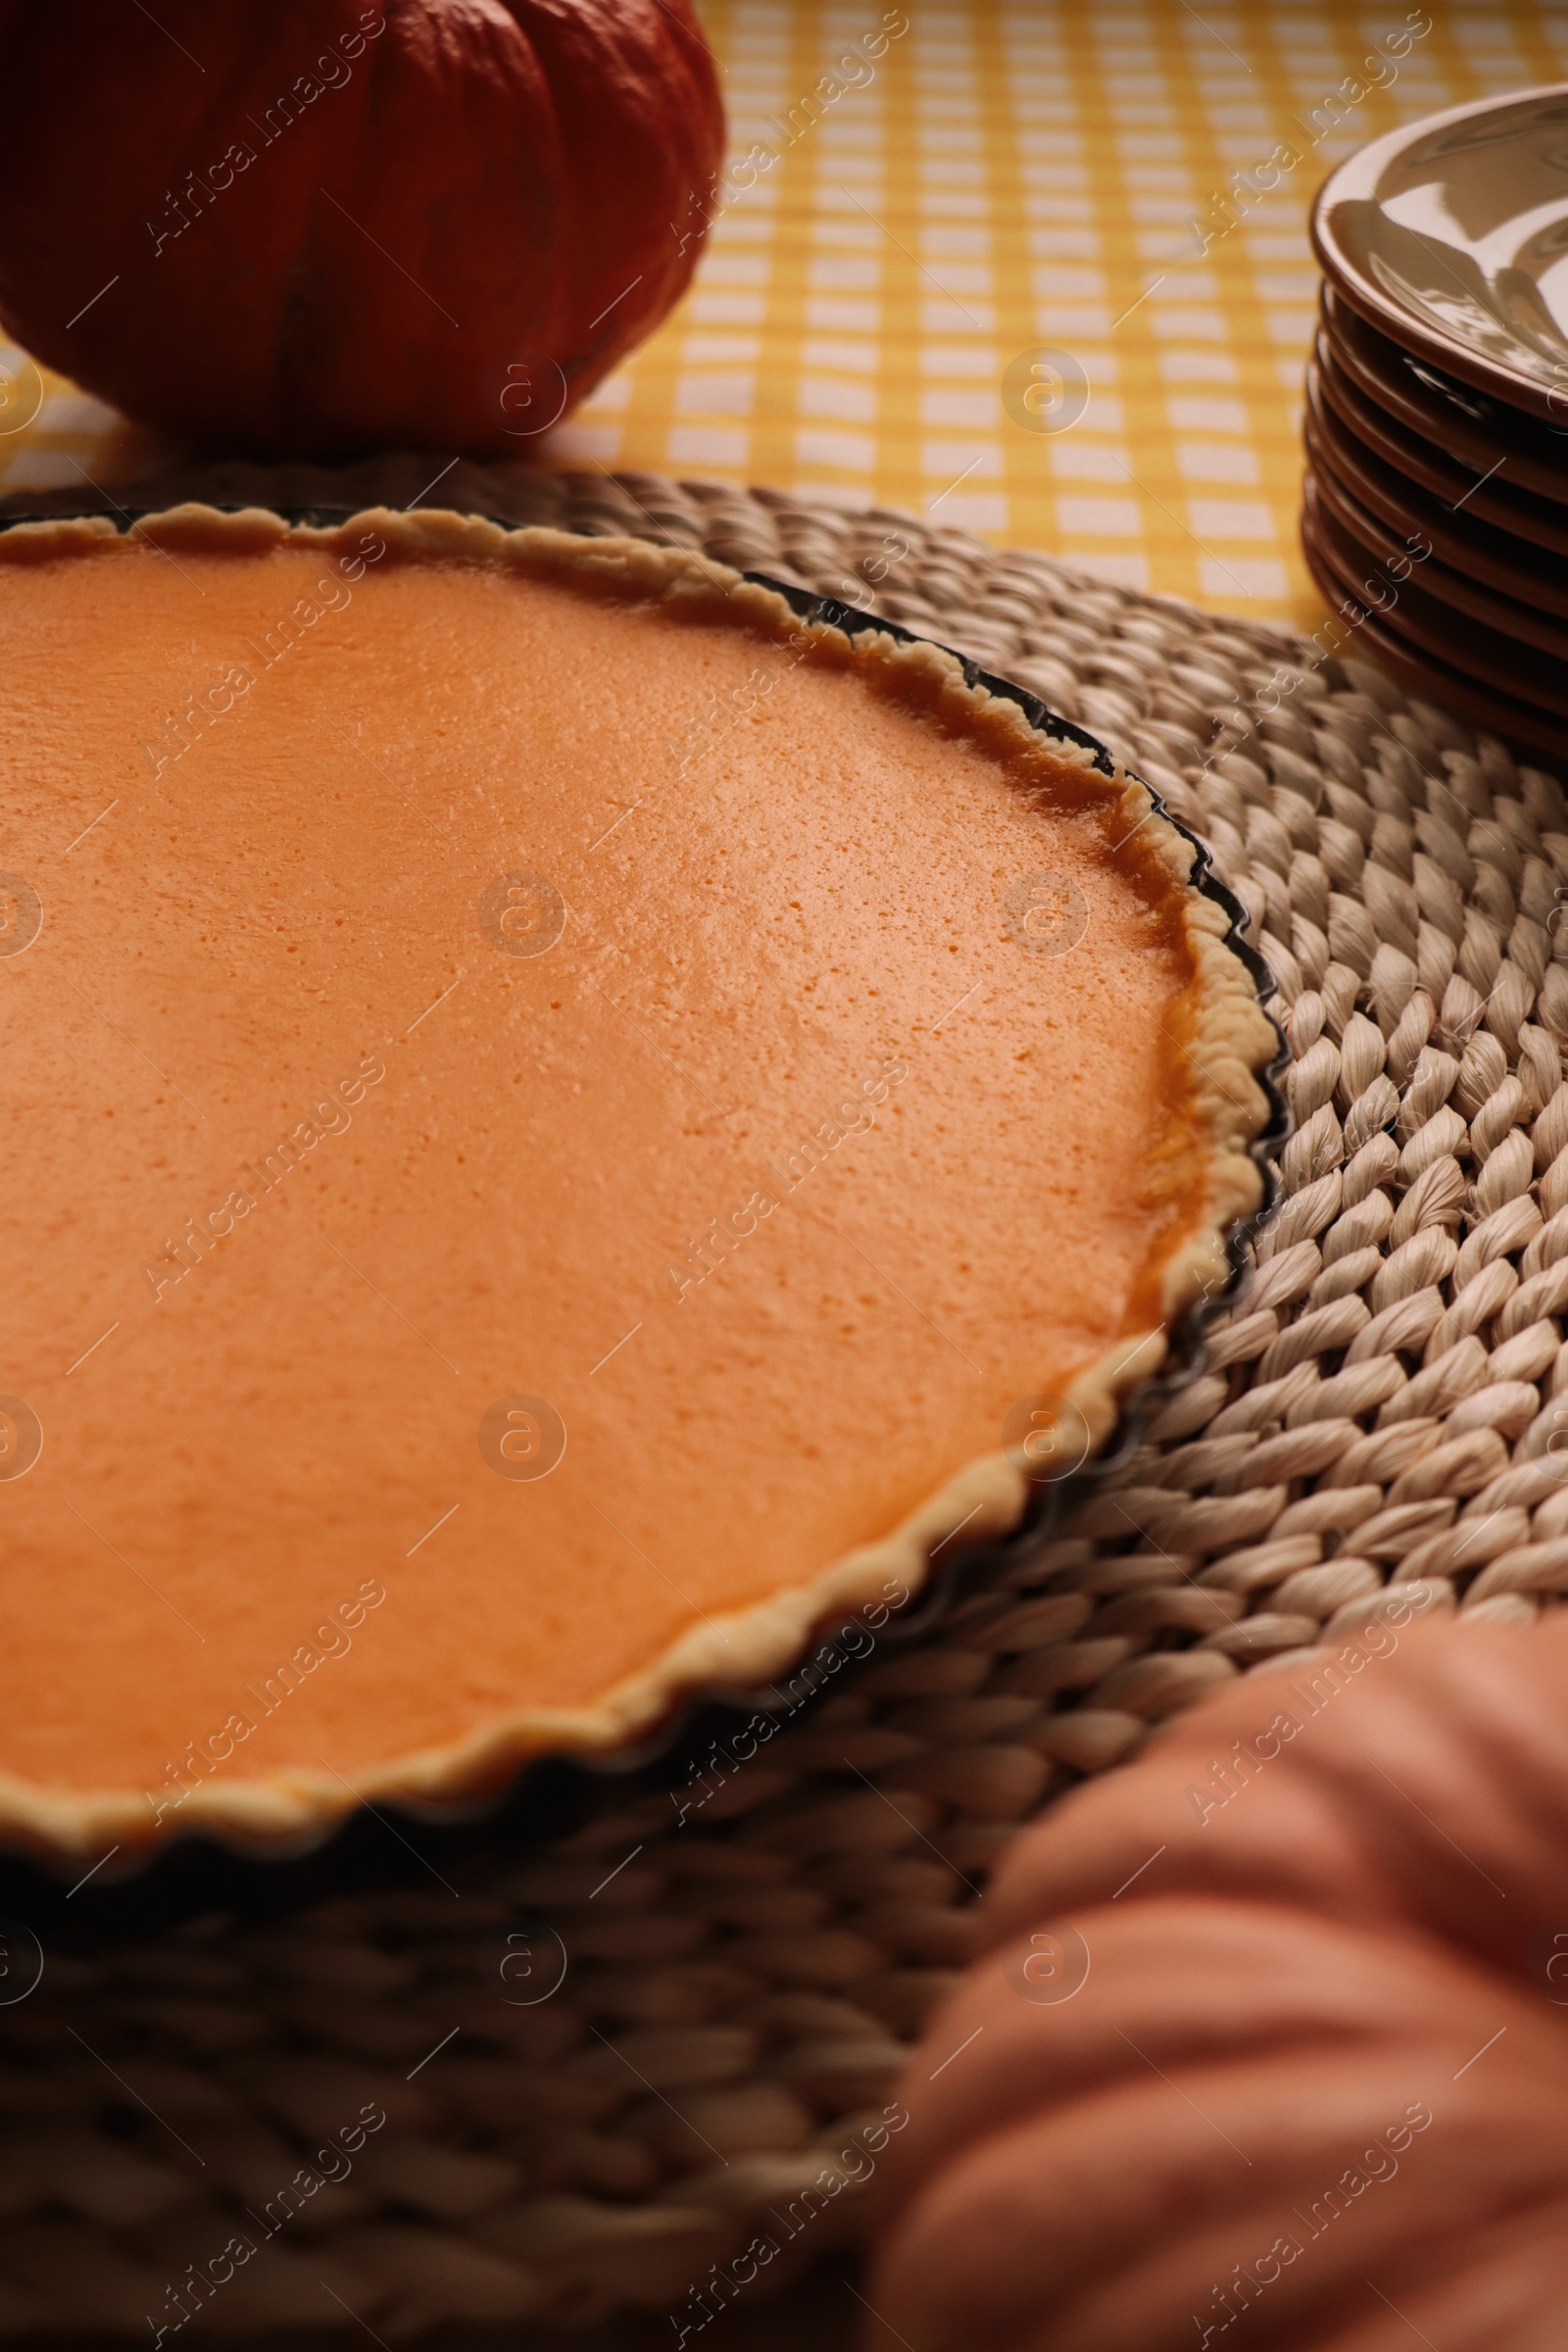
{"x": 1226, "y": 1043}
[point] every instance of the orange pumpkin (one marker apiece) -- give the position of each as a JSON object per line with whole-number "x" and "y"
{"x": 328, "y": 227}
{"x": 1301, "y": 2082}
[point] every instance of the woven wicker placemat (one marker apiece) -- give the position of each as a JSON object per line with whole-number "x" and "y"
{"x": 744, "y": 1983}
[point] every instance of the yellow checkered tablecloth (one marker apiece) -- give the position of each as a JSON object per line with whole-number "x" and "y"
{"x": 1008, "y": 175}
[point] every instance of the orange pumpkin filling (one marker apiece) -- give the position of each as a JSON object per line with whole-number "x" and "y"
{"x": 538, "y": 1119}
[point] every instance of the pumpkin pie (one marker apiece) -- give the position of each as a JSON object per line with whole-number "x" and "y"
{"x": 562, "y": 1126}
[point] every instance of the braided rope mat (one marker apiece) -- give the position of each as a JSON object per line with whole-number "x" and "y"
{"x": 743, "y": 1985}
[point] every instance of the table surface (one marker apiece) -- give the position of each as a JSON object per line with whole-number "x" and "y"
{"x": 1006, "y": 182}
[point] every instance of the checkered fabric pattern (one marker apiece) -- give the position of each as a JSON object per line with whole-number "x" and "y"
{"x": 1007, "y": 178}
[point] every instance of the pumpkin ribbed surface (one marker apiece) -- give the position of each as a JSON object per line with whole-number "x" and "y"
{"x": 336, "y": 227}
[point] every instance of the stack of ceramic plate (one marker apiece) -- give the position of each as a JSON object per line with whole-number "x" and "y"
{"x": 1436, "y": 500}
